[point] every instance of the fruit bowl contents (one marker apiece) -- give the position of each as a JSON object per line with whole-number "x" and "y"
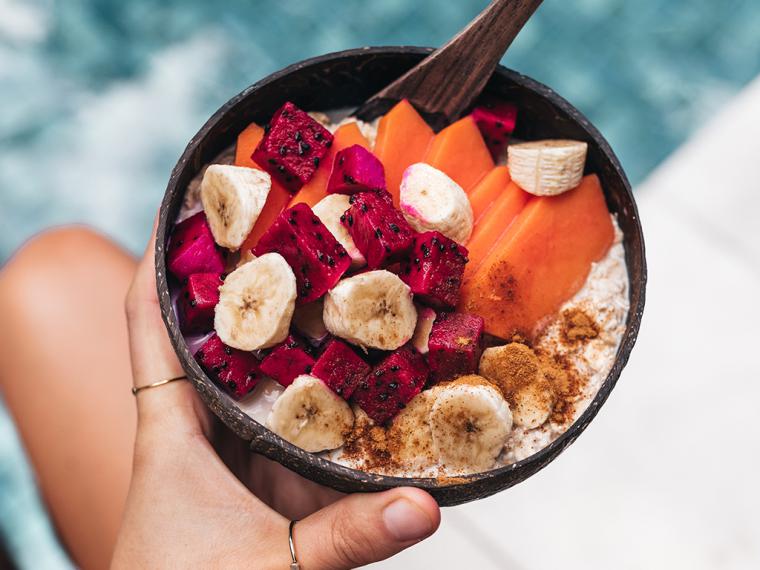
{"x": 399, "y": 301}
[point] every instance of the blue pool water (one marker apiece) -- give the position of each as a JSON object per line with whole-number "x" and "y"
{"x": 98, "y": 98}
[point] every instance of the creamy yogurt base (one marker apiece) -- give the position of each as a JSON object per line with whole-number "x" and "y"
{"x": 604, "y": 296}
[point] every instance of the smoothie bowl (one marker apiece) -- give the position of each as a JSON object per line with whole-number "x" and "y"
{"x": 372, "y": 304}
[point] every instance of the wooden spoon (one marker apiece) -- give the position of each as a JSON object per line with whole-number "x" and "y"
{"x": 446, "y": 82}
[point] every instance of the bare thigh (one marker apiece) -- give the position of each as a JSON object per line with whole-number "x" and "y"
{"x": 65, "y": 376}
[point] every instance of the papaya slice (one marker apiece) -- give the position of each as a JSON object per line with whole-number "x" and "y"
{"x": 460, "y": 151}
{"x": 247, "y": 142}
{"x": 488, "y": 190}
{"x": 493, "y": 224}
{"x": 278, "y": 196}
{"x": 277, "y": 199}
{"x": 402, "y": 139}
{"x": 541, "y": 261}
{"x": 315, "y": 189}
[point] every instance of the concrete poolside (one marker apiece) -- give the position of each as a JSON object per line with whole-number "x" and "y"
{"x": 666, "y": 476}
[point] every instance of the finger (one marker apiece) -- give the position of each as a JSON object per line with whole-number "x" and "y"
{"x": 153, "y": 358}
{"x": 365, "y": 528}
{"x": 152, "y": 355}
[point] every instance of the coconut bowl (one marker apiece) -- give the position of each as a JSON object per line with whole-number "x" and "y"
{"x": 344, "y": 80}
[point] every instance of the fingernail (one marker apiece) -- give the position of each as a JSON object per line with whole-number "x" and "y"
{"x": 406, "y": 521}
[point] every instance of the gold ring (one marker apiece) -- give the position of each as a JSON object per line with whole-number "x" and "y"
{"x": 294, "y": 565}
{"x": 136, "y": 389}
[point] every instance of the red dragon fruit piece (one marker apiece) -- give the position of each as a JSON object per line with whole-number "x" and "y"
{"x": 236, "y": 371}
{"x": 192, "y": 249}
{"x": 340, "y": 368}
{"x": 292, "y": 147}
{"x": 496, "y": 121}
{"x": 196, "y": 302}
{"x": 380, "y": 232}
{"x": 317, "y": 259}
{"x": 435, "y": 269}
{"x": 356, "y": 170}
{"x": 287, "y": 361}
{"x": 455, "y": 345}
{"x": 393, "y": 382}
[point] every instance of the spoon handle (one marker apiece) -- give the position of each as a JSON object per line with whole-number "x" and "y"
{"x": 444, "y": 84}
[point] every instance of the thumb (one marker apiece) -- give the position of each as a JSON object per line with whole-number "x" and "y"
{"x": 365, "y": 528}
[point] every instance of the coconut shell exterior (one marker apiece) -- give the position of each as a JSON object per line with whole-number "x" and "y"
{"x": 344, "y": 80}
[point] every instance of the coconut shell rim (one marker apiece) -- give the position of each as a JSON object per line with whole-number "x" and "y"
{"x": 446, "y": 490}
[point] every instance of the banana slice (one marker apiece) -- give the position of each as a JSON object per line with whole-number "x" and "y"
{"x": 430, "y": 200}
{"x": 425, "y": 319}
{"x": 361, "y": 419}
{"x": 329, "y": 210}
{"x": 470, "y": 422}
{"x": 233, "y": 197}
{"x": 517, "y": 371}
{"x": 410, "y": 433}
{"x": 510, "y": 366}
{"x": 373, "y": 309}
{"x": 548, "y": 167}
{"x": 368, "y": 130}
{"x": 322, "y": 118}
{"x": 308, "y": 320}
{"x": 311, "y": 416}
{"x": 256, "y": 303}
{"x": 533, "y": 403}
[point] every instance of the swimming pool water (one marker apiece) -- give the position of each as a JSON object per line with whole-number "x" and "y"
{"x": 98, "y": 97}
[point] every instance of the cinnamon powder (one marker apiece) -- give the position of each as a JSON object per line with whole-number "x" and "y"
{"x": 577, "y": 326}
{"x": 368, "y": 443}
{"x": 511, "y": 367}
{"x": 385, "y": 449}
{"x": 567, "y": 384}
{"x": 517, "y": 367}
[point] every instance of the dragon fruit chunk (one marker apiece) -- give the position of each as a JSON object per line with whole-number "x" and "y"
{"x": 392, "y": 384}
{"x": 455, "y": 345}
{"x": 496, "y": 121}
{"x": 435, "y": 269}
{"x": 292, "y": 147}
{"x": 196, "y": 302}
{"x": 287, "y": 361}
{"x": 356, "y": 170}
{"x": 380, "y": 232}
{"x": 192, "y": 249}
{"x": 236, "y": 371}
{"x": 340, "y": 368}
{"x": 317, "y": 259}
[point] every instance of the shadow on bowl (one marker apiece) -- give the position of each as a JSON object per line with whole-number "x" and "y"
{"x": 344, "y": 80}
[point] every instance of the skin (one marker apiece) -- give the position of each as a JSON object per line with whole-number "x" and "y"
{"x": 167, "y": 486}
{"x": 65, "y": 377}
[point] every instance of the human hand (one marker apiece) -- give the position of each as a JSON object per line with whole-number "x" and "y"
{"x": 186, "y": 508}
